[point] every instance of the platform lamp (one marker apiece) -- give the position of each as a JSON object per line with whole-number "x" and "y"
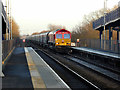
{"x": 10, "y": 20}
{"x": 6, "y": 23}
{"x": 0, "y": 42}
{"x": 105, "y": 7}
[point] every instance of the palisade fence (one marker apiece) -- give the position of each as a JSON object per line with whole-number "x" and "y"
{"x": 7, "y": 46}
{"x": 111, "y": 46}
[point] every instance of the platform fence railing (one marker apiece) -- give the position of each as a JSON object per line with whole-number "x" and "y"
{"x": 110, "y": 45}
{"x": 7, "y": 46}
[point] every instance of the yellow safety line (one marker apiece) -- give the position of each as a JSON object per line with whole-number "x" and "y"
{"x": 7, "y": 56}
{"x": 35, "y": 76}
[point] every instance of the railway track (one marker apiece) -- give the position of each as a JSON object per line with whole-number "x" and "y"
{"x": 73, "y": 79}
{"x": 74, "y": 64}
{"x": 97, "y": 68}
{"x": 99, "y": 64}
{"x": 114, "y": 75}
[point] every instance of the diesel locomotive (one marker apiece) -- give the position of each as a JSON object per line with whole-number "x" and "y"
{"x": 59, "y": 40}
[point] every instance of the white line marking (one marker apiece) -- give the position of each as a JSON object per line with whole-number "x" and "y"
{"x": 52, "y": 70}
{"x": 35, "y": 76}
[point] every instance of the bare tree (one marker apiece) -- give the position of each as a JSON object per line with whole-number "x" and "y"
{"x": 44, "y": 31}
{"x": 35, "y": 33}
{"x": 15, "y": 29}
{"x": 53, "y": 27}
{"x": 85, "y": 29}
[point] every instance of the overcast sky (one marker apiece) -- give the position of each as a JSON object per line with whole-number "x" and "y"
{"x": 35, "y": 15}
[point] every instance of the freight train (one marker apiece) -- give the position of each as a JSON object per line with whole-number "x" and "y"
{"x": 58, "y": 40}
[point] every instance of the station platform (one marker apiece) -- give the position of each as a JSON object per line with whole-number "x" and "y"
{"x": 26, "y": 69}
{"x": 98, "y": 52}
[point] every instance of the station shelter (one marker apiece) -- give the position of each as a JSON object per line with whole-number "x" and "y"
{"x": 111, "y": 21}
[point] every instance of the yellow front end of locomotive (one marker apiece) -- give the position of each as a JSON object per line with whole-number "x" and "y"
{"x": 62, "y": 42}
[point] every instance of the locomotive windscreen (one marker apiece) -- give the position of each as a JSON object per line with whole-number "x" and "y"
{"x": 66, "y": 36}
{"x": 59, "y": 36}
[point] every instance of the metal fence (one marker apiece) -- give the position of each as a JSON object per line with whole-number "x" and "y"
{"x": 111, "y": 46}
{"x": 7, "y": 46}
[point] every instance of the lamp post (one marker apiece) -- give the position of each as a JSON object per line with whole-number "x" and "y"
{"x": 6, "y": 23}
{"x": 105, "y": 7}
{"x": 0, "y": 41}
{"x": 10, "y": 20}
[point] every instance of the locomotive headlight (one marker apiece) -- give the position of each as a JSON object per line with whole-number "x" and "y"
{"x": 57, "y": 43}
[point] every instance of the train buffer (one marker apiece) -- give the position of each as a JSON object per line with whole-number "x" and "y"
{"x": 26, "y": 69}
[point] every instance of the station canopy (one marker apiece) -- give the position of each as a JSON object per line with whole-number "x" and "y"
{"x": 112, "y": 19}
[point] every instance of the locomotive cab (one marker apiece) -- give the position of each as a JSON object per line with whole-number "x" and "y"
{"x": 62, "y": 38}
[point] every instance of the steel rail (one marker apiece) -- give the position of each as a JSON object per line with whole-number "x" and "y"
{"x": 90, "y": 83}
{"x": 98, "y": 71}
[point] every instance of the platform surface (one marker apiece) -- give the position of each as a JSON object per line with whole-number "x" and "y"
{"x": 16, "y": 72}
{"x": 108, "y": 54}
{"x": 48, "y": 76}
{"x": 26, "y": 69}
